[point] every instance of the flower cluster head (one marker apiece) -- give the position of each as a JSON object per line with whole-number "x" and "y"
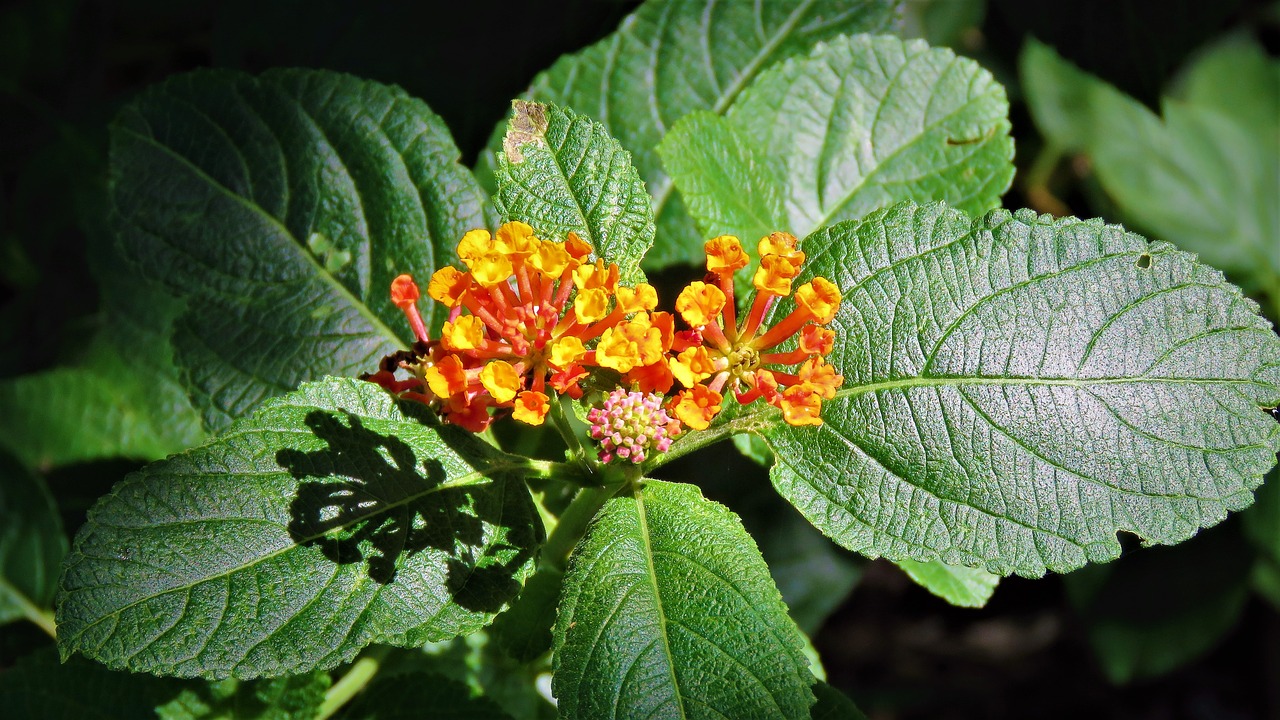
{"x": 528, "y": 317}
{"x": 746, "y": 358}
{"x": 521, "y": 317}
{"x": 630, "y": 425}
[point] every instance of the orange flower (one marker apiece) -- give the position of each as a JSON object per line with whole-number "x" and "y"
{"x": 735, "y": 356}
{"x": 512, "y": 331}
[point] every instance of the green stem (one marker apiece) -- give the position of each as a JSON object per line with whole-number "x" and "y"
{"x": 361, "y": 672}
{"x": 697, "y": 440}
{"x": 573, "y": 522}
{"x": 577, "y": 451}
{"x": 41, "y": 617}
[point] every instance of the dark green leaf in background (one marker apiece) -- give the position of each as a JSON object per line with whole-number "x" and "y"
{"x": 411, "y": 696}
{"x": 1019, "y": 389}
{"x": 560, "y": 172}
{"x": 279, "y": 208}
{"x": 39, "y": 687}
{"x": 1262, "y": 527}
{"x": 858, "y": 124}
{"x": 1156, "y": 610}
{"x": 121, "y": 395}
{"x": 1204, "y": 175}
{"x": 669, "y": 59}
{"x": 669, "y": 611}
{"x": 32, "y": 545}
{"x": 327, "y": 521}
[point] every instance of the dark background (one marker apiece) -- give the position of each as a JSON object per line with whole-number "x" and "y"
{"x": 66, "y": 66}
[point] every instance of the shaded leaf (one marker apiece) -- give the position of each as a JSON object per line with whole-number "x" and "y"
{"x": 833, "y": 705}
{"x": 561, "y": 172}
{"x": 861, "y": 123}
{"x": 42, "y": 688}
{"x": 327, "y": 521}
{"x": 668, "y": 610}
{"x": 279, "y": 208}
{"x": 1158, "y": 609}
{"x": 1018, "y": 389}
{"x": 669, "y": 59}
{"x": 32, "y": 543}
{"x": 1203, "y": 176}
{"x": 958, "y": 585}
{"x": 406, "y": 696}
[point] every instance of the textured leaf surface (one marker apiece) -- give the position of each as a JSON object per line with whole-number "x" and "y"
{"x": 1157, "y": 609}
{"x": 32, "y": 543}
{"x": 958, "y": 585}
{"x": 1204, "y": 176}
{"x": 833, "y": 705}
{"x": 668, "y": 611}
{"x": 669, "y": 59}
{"x": 1017, "y": 390}
{"x": 561, "y": 172}
{"x": 326, "y": 521}
{"x": 859, "y": 124}
{"x": 280, "y": 207}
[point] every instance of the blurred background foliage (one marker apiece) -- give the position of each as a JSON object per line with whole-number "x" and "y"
{"x": 1138, "y": 111}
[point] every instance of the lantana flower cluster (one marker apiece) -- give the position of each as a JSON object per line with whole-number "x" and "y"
{"x": 529, "y": 317}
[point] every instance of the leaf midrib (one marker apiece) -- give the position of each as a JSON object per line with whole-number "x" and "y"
{"x": 360, "y": 306}
{"x": 468, "y": 480}
{"x": 731, "y": 93}
{"x": 652, "y": 575}
{"x": 960, "y": 381}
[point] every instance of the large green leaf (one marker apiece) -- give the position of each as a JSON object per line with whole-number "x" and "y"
{"x": 859, "y": 124}
{"x": 668, "y": 611}
{"x": 279, "y": 208}
{"x": 958, "y": 585}
{"x": 328, "y": 520}
{"x": 32, "y": 544}
{"x": 669, "y": 59}
{"x": 1204, "y": 176}
{"x": 561, "y": 172}
{"x": 1018, "y": 389}
{"x": 1262, "y": 526}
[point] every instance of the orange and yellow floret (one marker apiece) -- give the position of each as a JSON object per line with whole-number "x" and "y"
{"x": 529, "y": 316}
{"x": 744, "y": 357}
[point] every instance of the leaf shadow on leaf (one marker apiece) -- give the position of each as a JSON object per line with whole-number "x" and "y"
{"x": 366, "y": 499}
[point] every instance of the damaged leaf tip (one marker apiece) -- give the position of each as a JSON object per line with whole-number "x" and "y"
{"x": 528, "y": 125}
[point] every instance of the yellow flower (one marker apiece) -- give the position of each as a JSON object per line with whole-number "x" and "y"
{"x": 700, "y": 303}
{"x": 500, "y": 379}
{"x": 531, "y": 407}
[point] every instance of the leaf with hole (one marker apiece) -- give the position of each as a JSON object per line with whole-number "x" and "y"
{"x": 1017, "y": 390}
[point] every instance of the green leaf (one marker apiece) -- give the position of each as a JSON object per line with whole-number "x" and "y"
{"x": 524, "y": 631}
{"x": 669, "y": 59}
{"x": 40, "y": 687}
{"x": 407, "y": 696}
{"x": 561, "y": 172}
{"x": 1262, "y": 527}
{"x": 475, "y": 661}
{"x": 1158, "y": 609}
{"x": 859, "y": 124}
{"x": 279, "y": 208}
{"x": 124, "y": 397}
{"x": 1203, "y": 176}
{"x": 1018, "y": 389}
{"x": 286, "y": 698}
{"x": 958, "y": 585}
{"x": 834, "y": 705}
{"x": 331, "y": 519}
{"x": 668, "y": 610}
{"x": 32, "y": 545}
